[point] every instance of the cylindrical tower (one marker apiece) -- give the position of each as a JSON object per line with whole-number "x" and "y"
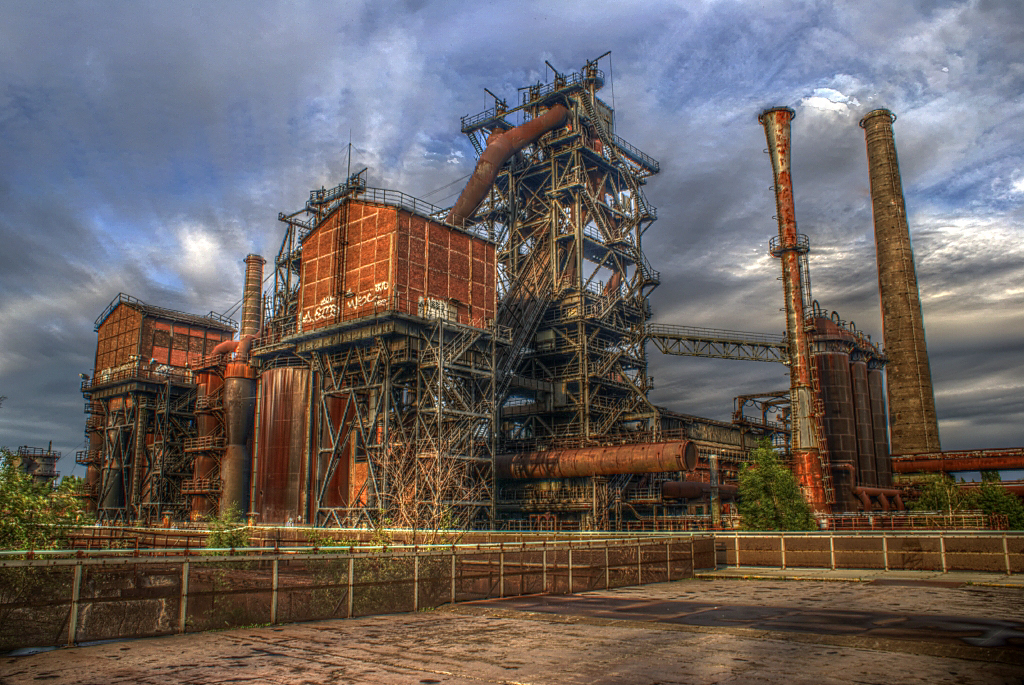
{"x": 279, "y": 476}
{"x": 252, "y": 307}
{"x": 236, "y": 466}
{"x": 913, "y": 425}
{"x": 207, "y": 423}
{"x": 806, "y": 458}
{"x": 876, "y": 391}
{"x": 832, "y": 345}
{"x": 862, "y": 416}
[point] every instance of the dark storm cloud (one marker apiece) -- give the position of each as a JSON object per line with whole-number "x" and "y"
{"x": 147, "y": 147}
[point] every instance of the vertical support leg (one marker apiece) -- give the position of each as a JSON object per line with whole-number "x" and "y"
{"x": 544, "y": 569}
{"x": 273, "y": 594}
{"x": 76, "y": 592}
{"x": 1006, "y": 555}
{"x": 453, "y": 576}
{"x": 736, "y": 543}
{"x": 782, "y": 549}
{"x": 570, "y": 570}
{"x": 832, "y": 550}
{"x": 415, "y": 582}
{"x": 639, "y": 564}
{"x": 607, "y": 570}
{"x": 668, "y": 560}
{"x": 942, "y": 550}
{"x": 183, "y": 606}
{"x": 351, "y": 583}
{"x": 885, "y": 550}
{"x": 501, "y": 574}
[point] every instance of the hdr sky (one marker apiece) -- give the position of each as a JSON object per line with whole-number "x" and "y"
{"x": 147, "y": 147}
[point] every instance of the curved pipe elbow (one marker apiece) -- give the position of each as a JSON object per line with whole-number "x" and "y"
{"x": 499, "y": 149}
{"x": 226, "y": 347}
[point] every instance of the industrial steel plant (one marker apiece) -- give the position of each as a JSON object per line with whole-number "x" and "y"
{"x": 485, "y": 365}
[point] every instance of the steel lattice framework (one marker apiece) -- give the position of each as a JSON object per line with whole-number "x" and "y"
{"x": 569, "y": 215}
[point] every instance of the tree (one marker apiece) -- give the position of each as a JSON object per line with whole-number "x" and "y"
{"x": 993, "y": 499}
{"x": 942, "y": 493}
{"x": 769, "y": 498}
{"x": 35, "y": 515}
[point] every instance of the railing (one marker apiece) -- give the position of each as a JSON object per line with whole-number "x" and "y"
{"x": 714, "y": 334}
{"x": 66, "y": 598}
{"x": 137, "y": 372}
{"x": 921, "y": 551}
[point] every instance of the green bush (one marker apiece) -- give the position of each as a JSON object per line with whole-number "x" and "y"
{"x": 769, "y": 498}
{"x": 228, "y": 530}
{"x": 35, "y": 515}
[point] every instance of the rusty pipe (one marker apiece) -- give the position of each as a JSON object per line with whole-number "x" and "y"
{"x": 807, "y": 465}
{"x": 865, "y": 493}
{"x": 960, "y": 460}
{"x": 688, "y": 489}
{"x": 599, "y": 461}
{"x": 226, "y": 347}
{"x": 499, "y": 149}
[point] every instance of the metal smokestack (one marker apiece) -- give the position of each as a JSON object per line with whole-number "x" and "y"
{"x": 913, "y": 425}
{"x": 806, "y": 457}
{"x": 252, "y": 306}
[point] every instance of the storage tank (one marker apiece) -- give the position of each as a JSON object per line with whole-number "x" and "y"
{"x": 866, "y": 469}
{"x": 831, "y": 346}
{"x": 283, "y": 424}
{"x": 879, "y": 421}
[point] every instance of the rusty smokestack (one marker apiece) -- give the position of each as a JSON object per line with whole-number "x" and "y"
{"x": 913, "y": 425}
{"x": 806, "y": 458}
{"x": 252, "y": 305}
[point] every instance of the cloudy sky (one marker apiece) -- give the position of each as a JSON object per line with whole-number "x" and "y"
{"x": 146, "y": 147}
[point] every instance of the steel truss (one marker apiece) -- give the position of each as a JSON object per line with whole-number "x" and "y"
{"x": 414, "y": 408}
{"x": 143, "y": 461}
{"x": 568, "y": 215}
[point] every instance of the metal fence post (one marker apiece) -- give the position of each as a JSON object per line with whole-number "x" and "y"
{"x": 273, "y": 594}
{"x": 183, "y": 607}
{"x": 942, "y": 549}
{"x": 736, "y": 540}
{"x": 639, "y": 564}
{"x": 501, "y": 574}
{"x": 1006, "y": 555}
{"x": 351, "y": 583}
{"x": 544, "y": 568}
{"x": 415, "y": 581}
{"x": 668, "y": 561}
{"x": 607, "y": 571}
{"x": 832, "y": 549}
{"x": 453, "y": 575}
{"x": 570, "y": 570}
{"x": 885, "y": 550}
{"x": 782, "y": 548}
{"x": 76, "y": 590}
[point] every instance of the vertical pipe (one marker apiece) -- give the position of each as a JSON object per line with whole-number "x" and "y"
{"x": 879, "y": 422}
{"x": 863, "y": 428}
{"x": 806, "y": 464}
{"x": 252, "y": 311}
{"x": 913, "y": 423}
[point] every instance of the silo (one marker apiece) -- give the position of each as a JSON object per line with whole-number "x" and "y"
{"x": 283, "y": 424}
{"x": 831, "y": 346}
{"x": 866, "y": 470}
{"x": 879, "y": 421}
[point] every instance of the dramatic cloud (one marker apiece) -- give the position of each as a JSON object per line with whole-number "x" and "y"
{"x": 147, "y": 147}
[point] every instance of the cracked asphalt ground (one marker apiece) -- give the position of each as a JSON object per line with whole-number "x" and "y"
{"x": 683, "y": 632}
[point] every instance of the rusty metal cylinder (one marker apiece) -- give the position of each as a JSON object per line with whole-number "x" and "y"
{"x": 913, "y": 423}
{"x": 94, "y": 471}
{"x": 687, "y": 489}
{"x": 252, "y": 305}
{"x": 879, "y": 424}
{"x": 280, "y": 473}
{"x": 807, "y": 467}
{"x": 236, "y": 465}
{"x": 832, "y": 346}
{"x": 599, "y": 461}
{"x": 866, "y": 469}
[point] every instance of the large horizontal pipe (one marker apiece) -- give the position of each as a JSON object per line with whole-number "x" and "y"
{"x": 653, "y": 457}
{"x": 960, "y": 460}
{"x": 882, "y": 494}
{"x": 688, "y": 489}
{"x": 500, "y": 148}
